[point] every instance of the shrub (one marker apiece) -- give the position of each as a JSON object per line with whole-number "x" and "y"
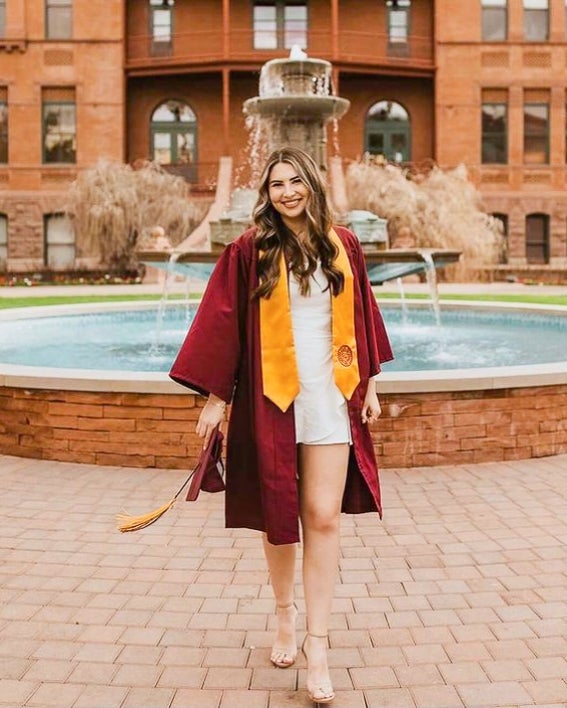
{"x": 113, "y": 205}
{"x": 439, "y": 208}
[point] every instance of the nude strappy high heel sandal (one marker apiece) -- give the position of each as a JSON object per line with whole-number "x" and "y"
{"x": 322, "y": 693}
{"x": 281, "y": 656}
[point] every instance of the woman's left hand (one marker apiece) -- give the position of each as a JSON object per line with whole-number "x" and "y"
{"x": 211, "y": 416}
{"x": 371, "y": 409}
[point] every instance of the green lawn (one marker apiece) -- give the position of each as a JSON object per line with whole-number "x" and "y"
{"x": 37, "y": 300}
{"x": 527, "y": 298}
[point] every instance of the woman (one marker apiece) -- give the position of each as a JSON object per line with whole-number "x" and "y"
{"x": 289, "y": 332}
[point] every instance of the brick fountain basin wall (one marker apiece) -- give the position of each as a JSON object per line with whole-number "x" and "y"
{"x": 429, "y": 418}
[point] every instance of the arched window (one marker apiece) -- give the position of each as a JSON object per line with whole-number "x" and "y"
{"x": 387, "y": 131}
{"x": 537, "y": 238}
{"x": 174, "y": 136}
{"x": 59, "y": 240}
{"x": 3, "y": 240}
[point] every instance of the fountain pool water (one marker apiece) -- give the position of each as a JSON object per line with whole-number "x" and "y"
{"x": 135, "y": 340}
{"x": 117, "y": 414}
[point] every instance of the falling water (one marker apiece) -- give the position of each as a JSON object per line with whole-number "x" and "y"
{"x": 271, "y": 83}
{"x": 404, "y": 304}
{"x": 335, "y": 145}
{"x": 322, "y": 85}
{"x": 431, "y": 277}
{"x": 169, "y": 279}
{"x": 255, "y": 151}
{"x": 188, "y": 289}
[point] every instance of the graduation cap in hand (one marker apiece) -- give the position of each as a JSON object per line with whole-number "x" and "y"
{"x": 207, "y": 475}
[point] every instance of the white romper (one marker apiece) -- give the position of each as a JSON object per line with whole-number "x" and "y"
{"x": 321, "y": 414}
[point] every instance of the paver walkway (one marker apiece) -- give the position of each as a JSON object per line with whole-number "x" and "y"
{"x": 457, "y": 599}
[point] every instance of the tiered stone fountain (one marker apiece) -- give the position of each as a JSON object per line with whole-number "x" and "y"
{"x": 295, "y": 104}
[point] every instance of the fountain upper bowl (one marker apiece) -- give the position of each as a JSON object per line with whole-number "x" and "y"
{"x": 297, "y": 106}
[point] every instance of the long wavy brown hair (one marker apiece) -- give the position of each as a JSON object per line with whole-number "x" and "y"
{"x": 273, "y": 236}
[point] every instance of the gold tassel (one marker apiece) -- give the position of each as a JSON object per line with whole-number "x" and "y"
{"x": 126, "y": 522}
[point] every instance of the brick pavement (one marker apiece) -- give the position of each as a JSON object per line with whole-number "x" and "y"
{"x": 457, "y": 599}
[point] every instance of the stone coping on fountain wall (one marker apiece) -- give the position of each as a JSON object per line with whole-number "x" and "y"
{"x": 391, "y": 383}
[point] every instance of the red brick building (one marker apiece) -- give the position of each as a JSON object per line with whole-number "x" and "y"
{"x": 62, "y": 91}
{"x": 482, "y": 82}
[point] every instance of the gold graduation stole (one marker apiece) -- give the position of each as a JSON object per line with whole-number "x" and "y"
{"x": 280, "y": 378}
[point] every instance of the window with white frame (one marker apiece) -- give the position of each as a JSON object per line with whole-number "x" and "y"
{"x": 503, "y": 252}
{"x": 494, "y": 20}
{"x": 279, "y": 24}
{"x": 3, "y": 240}
{"x": 3, "y": 127}
{"x": 59, "y": 125}
{"x": 161, "y": 26}
{"x": 59, "y": 236}
{"x": 536, "y": 133}
{"x": 536, "y": 20}
{"x": 537, "y": 238}
{"x": 2, "y": 18}
{"x": 398, "y": 20}
{"x": 58, "y": 19}
{"x": 387, "y": 131}
{"x": 494, "y": 143}
{"x": 173, "y": 130}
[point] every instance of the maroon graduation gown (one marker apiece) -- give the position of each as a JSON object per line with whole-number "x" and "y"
{"x": 221, "y": 355}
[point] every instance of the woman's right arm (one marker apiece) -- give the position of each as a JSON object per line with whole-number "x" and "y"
{"x": 209, "y": 358}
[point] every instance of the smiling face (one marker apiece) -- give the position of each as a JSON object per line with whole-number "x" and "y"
{"x": 288, "y": 195}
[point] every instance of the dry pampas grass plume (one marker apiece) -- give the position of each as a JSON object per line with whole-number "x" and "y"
{"x": 441, "y": 209}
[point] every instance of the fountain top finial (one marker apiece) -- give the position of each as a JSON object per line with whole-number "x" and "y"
{"x": 297, "y": 53}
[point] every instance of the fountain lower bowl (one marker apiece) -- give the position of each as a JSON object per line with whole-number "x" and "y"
{"x": 382, "y": 264}
{"x": 145, "y": 420}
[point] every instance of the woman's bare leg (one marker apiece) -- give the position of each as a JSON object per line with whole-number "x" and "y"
{"x": 322, "y": 478}
{"x": 281, "y": 564}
